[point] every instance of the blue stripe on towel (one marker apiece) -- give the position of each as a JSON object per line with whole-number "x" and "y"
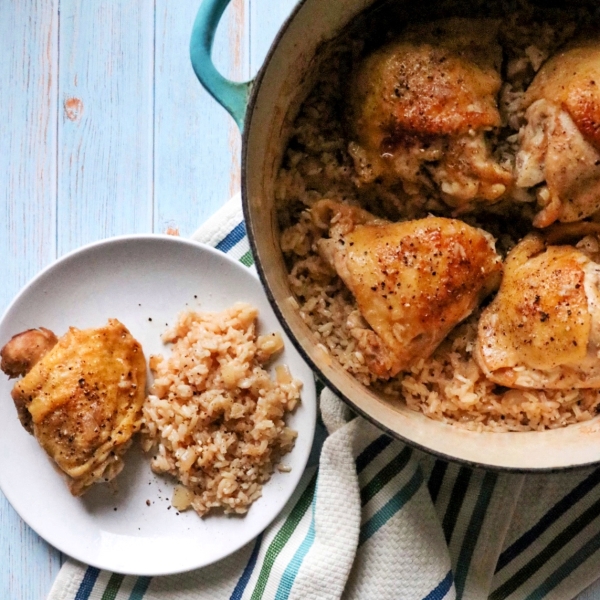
{"x": 362, "y": 461}
{"x": 236, "y": 235}
{"x": 140, "y": 588}
{"x": 248, "y": 570}
{"x": 442, "y": 588}
{"x": 87, "y": 583}
{"x": 391, "y": 507}
{"x": 557, "y": 511}
{"x": 291, "y": 571}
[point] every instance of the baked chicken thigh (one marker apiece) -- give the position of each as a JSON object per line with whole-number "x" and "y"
{"x": 542, "y": 329}
{"x": 560, "y": 145}
{"x": 423, "y": 104}
{"x": 81, "y": 399}
{"x": 412, "y": 281}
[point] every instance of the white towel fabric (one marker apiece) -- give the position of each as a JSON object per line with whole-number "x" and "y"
{"x": 373, "y": 519}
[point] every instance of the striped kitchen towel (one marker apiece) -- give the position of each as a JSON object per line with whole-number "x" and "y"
{"x": 373, "y": 519}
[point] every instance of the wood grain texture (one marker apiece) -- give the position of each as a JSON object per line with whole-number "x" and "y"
{"x": 28, "y": 140}
{"x": 28, "y": 71}
{"x": 266, "y": 18}
{"x": 197, "y": 144}
{"x": 105, "y": 132}
{"x": 105, "y": 120}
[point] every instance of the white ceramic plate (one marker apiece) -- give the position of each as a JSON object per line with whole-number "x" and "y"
{"x": 143, "y": 281}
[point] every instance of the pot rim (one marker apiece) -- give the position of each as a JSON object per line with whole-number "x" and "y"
{"x": 256, "y": 84}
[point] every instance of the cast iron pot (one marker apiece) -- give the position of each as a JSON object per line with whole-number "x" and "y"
{"x": 263, "y": 109}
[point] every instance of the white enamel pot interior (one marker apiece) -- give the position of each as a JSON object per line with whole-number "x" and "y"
{"x": 277, "y": 92}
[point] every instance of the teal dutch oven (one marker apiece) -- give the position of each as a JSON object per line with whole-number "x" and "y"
{"x": 263, "y": 110}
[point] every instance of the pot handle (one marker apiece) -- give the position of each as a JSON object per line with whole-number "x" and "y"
{"x": 232, "y": 96}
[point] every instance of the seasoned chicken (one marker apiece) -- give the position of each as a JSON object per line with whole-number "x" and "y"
{"x": 82, "y": 400}
{"x": 560, "y": 145}
{"x": 542, "y": 330}
{"x": 413, "y": 281}
{"x": 424, "y": 102}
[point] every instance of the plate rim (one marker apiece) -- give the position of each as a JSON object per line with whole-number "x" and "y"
{"x": 311, "y": 385}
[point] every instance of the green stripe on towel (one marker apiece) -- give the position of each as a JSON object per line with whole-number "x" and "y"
{"x": 113, "y": 587}
{"x": 282, "y": 538}
{"x": 247, "y": 259}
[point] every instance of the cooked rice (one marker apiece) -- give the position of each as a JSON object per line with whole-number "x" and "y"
{"x": 449, "y": 386}
{"x": 215, "y": 418}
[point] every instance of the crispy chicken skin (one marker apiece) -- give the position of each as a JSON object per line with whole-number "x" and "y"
{"x": 413, "y": 281}
{"x": 542, "y": 330}
{"x": 560, "y": 145}
{"x": 425, "y": 101}
{"x": 82, "y": 401}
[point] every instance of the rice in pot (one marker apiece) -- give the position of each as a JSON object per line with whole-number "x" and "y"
{"x": 449, "y": 386}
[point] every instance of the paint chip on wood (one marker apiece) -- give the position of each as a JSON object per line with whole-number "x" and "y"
{"x": 73, "y": 108}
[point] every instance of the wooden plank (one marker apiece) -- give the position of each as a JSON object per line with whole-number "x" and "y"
{"x": 266, "y": 18}
{"x": 197, "y": 144}
{"x": 28, "y": 140}
{"x": 28, "y": 97}
{"x": 105, "y": 135}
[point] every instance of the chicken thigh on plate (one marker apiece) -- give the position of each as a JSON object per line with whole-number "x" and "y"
{"x": 421, "y": 106}
{"x": 542, "y": 330}
{"x": 560, "y": 145}
{"x": 81, "y": 396}
{"x": 413, "y": 281}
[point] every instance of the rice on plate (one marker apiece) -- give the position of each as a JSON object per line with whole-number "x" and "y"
{"x": 215, "y": 418}
{"x": 324, "y": 162}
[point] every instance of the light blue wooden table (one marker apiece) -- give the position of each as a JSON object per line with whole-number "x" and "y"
{"x": 104, "y": 130}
